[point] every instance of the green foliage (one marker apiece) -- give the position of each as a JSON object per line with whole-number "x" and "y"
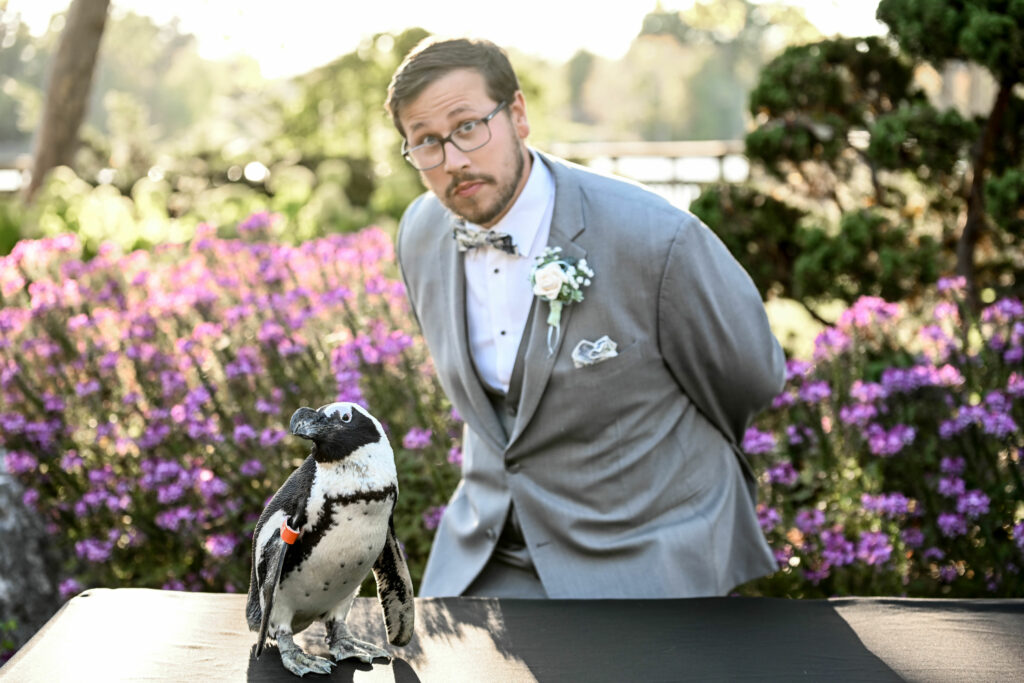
{"x": 1004, "y": 196}
{"x": 758, "y": 229}
{"x": 989, "y": 32}
{"x": 869, "y": 256}
{"x": 921, "y": 138}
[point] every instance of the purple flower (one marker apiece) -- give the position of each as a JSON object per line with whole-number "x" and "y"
{"x": 889, "y": 504}
{"x": 1018, "y": 535}
{"x": 973, "y": 504}
{"x": 755, "y": 441}
{"x": 830, "y": 343}
{"x": 810, "y": 521}
{"x": 86, "y": 388}
{"x": 19, "y": 462}
{"x": 948, "y": 573}
{"x": 768, "y": 517}
{"x": 69, "y": 587}
{"x": 868, "y": 392}
{"x": 858, "y": 414}
{"x": 172, "y": 519}
{"x": 888, "y": 443}
{"x": 816, "y": 576}
{"x": 417, "y": 438}
{"x": 952, "y": 465}
{"x": 432, "y": 517}
{"x": 94, "y": 550}
{"x": 837, "y": 550}
{"x": 798, "y": 434}
{"x": 1015, "y": 385}
{"x": 952, "y": 525}
{"x": 250, "y": 468}
{"x": 783, "y": 400}
{"x": 455, "y": 456}
{"x": 951, "y": 487}
{"x": 873, "y": 548}
{"x": 866, "y": 311}
{"x": 955, "y": 285}
{"x": 783, "y": 473}
{"x": 211, "y": 485}
{"x": 30, "y": 498}
{"x": 271, "y": 437}
{"x": 220, "y": 545}
{"x": 912, "y": 537}
{"x": 933, "y": 553}
{"x": 815, "y": 392}
{"x": 797, "y": 368}
{"x": 243, "y": 433}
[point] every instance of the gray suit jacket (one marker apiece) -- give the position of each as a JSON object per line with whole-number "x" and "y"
{"x": 627, "y": 476}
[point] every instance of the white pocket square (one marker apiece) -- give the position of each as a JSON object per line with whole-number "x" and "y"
{"x": 592, "y": 352}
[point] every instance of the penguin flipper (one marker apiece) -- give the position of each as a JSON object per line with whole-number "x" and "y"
{"x": 274, "y": 551}
{"x": 394, "y": 589}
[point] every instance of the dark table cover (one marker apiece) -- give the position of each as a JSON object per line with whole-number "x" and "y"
{"x": 139, "y": 635}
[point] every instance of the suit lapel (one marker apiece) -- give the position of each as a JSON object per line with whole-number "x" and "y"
{"x": 482, "y": 420}
{"x": 566, "y": 226}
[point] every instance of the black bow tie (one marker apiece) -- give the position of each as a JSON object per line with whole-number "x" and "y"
{"x": 471, "y": 239}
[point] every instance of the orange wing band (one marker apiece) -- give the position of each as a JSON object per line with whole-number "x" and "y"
{"x": 288, "y": 534}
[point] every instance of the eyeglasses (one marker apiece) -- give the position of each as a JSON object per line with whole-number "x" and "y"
{"x": 469, "y": 136}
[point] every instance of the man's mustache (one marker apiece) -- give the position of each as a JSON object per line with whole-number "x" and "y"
{"x": 463, "y": 178}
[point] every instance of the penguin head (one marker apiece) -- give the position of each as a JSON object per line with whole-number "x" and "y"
{"x": 337, "y": 430}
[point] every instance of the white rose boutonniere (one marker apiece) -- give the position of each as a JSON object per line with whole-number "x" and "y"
{"x": 558, "y": 281}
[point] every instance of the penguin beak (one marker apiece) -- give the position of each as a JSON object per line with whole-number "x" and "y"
{"x": 306, "y": 423}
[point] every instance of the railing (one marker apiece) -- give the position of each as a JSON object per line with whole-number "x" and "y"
{"x": 675, "y": 169}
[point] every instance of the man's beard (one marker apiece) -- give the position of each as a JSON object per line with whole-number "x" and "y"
{"x": 483, "y": 215}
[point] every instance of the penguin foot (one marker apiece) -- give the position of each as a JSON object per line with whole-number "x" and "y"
{"x": 353, "y": 648}
{"x": 300, "y": 663}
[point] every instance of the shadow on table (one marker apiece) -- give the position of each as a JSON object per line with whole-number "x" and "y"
{"x": 647, "y": 640}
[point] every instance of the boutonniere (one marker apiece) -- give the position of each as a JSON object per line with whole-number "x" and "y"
{"x": 559, "y": 281}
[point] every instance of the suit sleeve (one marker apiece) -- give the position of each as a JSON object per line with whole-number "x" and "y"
{"x": 713, "y": 331}
{"x": 401, "y": 249}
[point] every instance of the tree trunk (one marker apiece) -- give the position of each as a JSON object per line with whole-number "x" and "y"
{"x": 67, "y": 93}
{"x": 974, "y": 225}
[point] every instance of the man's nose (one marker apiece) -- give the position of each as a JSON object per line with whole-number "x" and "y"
{"x": 454, "y": 158}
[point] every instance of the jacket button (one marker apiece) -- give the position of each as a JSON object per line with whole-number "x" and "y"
{"x": 513, "y": 467}
{"x": 491, "y": 535}
{"x": 512, "y": 411}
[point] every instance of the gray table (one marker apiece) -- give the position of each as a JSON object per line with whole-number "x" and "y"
{"x": 137, "y": 634}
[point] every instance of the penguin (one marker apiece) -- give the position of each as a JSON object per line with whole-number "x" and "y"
{"x": 320, "y": 535}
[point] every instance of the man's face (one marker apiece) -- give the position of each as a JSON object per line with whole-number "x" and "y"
{"x": 480, "y": 186}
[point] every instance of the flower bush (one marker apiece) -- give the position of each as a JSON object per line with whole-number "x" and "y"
{"x": 891, "y": 463}
{"x": 145, "y": 396}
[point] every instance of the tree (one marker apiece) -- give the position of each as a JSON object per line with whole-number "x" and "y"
{"x": 885, "y": 191}
{"x": 68, "y": 90}
{"x": 989, "y": 33}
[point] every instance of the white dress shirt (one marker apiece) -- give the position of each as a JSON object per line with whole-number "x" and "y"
{"x": 498, "y": 290}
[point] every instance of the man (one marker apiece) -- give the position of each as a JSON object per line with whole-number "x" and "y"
{"x": 620, "y": 475}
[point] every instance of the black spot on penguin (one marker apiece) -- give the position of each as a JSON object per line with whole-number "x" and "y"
{"x": 303, "y": 548}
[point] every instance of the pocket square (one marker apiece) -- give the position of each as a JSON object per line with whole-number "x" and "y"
{"x": 593, "y": 352}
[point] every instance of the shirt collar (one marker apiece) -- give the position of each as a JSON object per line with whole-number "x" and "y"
{"x": 523, "y": 219}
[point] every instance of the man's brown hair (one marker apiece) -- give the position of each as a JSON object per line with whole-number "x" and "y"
{"x": 431, "y": 59}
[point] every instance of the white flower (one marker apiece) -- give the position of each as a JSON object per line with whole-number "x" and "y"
{"x": 548, "y": 281}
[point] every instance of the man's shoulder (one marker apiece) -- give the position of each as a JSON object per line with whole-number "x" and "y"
{"x": 609, "y": 198}
{"x": 421, "y": 219}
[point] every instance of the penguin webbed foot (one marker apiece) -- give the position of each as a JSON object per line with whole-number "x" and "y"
{"x": 298, "y": 662}
{"x": 352, "y": 648}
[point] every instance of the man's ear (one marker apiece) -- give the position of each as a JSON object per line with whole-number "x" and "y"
{"x": 517, "y": 110}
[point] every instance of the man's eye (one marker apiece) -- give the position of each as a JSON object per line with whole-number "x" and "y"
{"x": 466, "y": 128}
{"x": 426, "y": 142}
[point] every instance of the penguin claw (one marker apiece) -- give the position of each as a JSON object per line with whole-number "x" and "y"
{"x": 300, "y": 663}
{"x": 351, "y": 648}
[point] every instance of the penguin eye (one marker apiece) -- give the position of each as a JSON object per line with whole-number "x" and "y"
{"x": 346, "y": 417}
